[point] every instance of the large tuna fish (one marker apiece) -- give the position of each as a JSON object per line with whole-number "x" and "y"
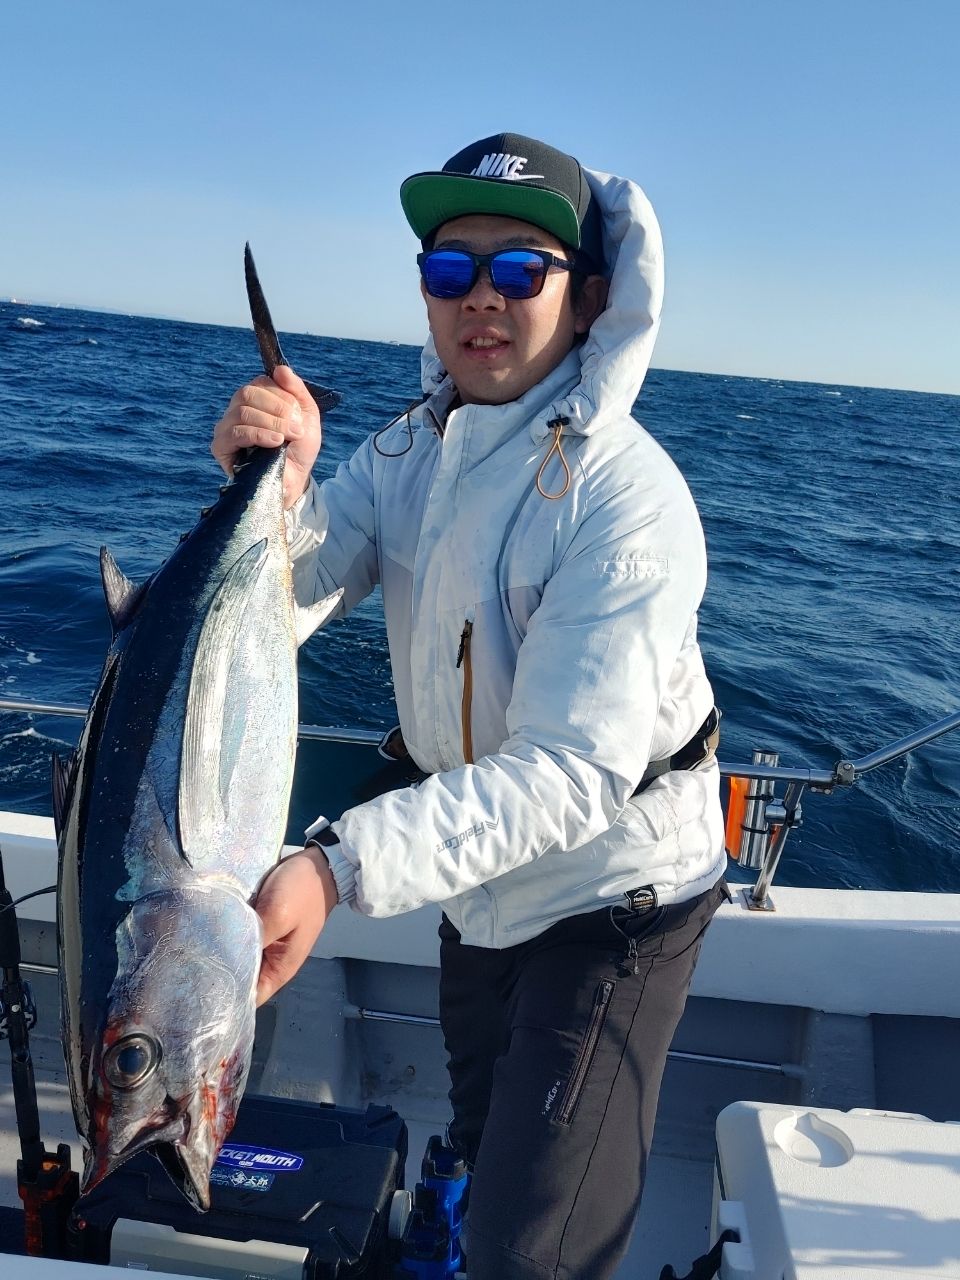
{"x": 168, "y": 816}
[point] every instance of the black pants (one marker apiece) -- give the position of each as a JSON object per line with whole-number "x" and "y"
{"x": 557, "y": 1048}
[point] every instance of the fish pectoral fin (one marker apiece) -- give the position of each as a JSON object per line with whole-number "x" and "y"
{"x": 63, "y": 772}
{"x": 123, "y": 596}
{"x": 308, "y": 619}
{"x": 200, "y": 805}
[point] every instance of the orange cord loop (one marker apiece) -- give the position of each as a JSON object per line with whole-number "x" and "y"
{"x": 556, "y": 426}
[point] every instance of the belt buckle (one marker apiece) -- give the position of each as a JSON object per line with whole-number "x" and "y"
{"x": 643, "y": 899}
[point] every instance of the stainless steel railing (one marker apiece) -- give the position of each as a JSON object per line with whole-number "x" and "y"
{"x": 304, "y": 731}
{"x": 768, "y": 821}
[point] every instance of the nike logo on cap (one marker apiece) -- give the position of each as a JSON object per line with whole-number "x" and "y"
{"x": 500, "y": 165}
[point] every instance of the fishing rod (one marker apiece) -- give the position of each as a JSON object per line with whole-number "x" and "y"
{"x": 46, "y": 1182}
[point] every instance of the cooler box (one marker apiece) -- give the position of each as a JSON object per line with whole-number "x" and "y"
{"x": 301, "y": 1191}
{"x": 836, "y": 1195}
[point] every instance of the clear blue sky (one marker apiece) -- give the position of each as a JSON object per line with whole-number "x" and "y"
{"x": 803, "y": 157}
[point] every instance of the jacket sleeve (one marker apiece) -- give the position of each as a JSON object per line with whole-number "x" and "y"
{"x": 331, "y": 536}
{"x": 591, "y": 673}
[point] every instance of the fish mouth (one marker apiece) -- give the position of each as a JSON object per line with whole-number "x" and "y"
{"x": 101, "y": 1161}
{"x": 189, "y": 1171}
{"x": 186, "y": 1147}
{"x": 188, "y": 1168}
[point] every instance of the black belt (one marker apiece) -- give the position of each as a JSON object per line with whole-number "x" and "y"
{"x": 701, "y": 748}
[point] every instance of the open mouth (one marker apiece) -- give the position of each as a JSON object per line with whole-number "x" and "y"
{"x": 485, "y": 345}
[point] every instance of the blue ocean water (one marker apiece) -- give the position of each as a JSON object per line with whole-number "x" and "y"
{"x": 831, "y": 623}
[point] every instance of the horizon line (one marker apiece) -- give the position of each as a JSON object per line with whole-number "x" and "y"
{"x": 397, "y": 342}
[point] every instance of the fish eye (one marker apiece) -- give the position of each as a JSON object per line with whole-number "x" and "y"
{"x": 130, "y": 1061}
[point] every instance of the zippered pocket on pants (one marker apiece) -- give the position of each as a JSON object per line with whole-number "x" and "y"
{"x": 587, "y": 1052}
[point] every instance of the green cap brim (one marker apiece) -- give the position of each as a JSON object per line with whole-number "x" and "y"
{"x": 430, "y": 199}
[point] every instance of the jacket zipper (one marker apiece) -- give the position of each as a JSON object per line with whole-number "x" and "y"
{"x": 588, "y": 1049}
{"x": 466, "y": 702}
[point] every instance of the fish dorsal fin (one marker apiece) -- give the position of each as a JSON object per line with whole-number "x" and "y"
{"x": 62, "y": 776}
{"x": 122, "y": 596}
{"x": 200, "y": 804}
{"x": 307, "y": 620}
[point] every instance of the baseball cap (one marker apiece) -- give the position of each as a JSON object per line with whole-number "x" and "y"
{"x": 515, "y": 177}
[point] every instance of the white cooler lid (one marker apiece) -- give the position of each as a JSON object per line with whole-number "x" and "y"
{"x": 846, "y": 1194}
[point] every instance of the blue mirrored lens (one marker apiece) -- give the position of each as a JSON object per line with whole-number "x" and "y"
{"x": 448, "y": 274}
{"x": 517, "y": 273}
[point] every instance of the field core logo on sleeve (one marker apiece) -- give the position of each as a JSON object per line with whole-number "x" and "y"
{"x": 500, "y": 165}
{"x": 261, "y": 1158}
{"x": 454, "y": 842}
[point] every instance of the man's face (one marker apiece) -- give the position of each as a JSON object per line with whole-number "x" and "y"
{"x": 530, "y": 335}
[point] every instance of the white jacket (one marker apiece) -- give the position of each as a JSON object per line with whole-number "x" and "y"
{"x": 584, "y": 653}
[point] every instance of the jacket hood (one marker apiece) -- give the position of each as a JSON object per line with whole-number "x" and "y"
{"x": 616, "y": 354}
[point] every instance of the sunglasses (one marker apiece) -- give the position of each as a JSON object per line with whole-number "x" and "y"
{"x": 514, "y": 273}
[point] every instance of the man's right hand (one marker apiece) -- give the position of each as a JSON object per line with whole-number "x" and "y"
{"x": 267, "y": 412}
{"x": 294, "y": 903}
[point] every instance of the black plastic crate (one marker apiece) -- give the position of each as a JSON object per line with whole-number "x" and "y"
{"x": 310, "y": 1175}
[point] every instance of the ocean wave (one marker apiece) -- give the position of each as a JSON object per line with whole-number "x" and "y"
{"x": 31, "y": 732}
{"x": 28, "y": 322}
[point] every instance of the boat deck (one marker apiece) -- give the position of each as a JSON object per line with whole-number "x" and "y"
{"x": 674, "y": 1221}
{"x": 673, "y": 1225}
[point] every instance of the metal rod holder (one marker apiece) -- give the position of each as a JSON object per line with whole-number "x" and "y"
{"x": 755, "y": 833}
{"x": 758, "y": 899}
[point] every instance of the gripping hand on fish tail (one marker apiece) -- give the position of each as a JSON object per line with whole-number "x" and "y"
{"x": 293, "y": 905}
{"x": 269, "y": 412}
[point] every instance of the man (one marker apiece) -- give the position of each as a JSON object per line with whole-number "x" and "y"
{"x": 541, "y": 563}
